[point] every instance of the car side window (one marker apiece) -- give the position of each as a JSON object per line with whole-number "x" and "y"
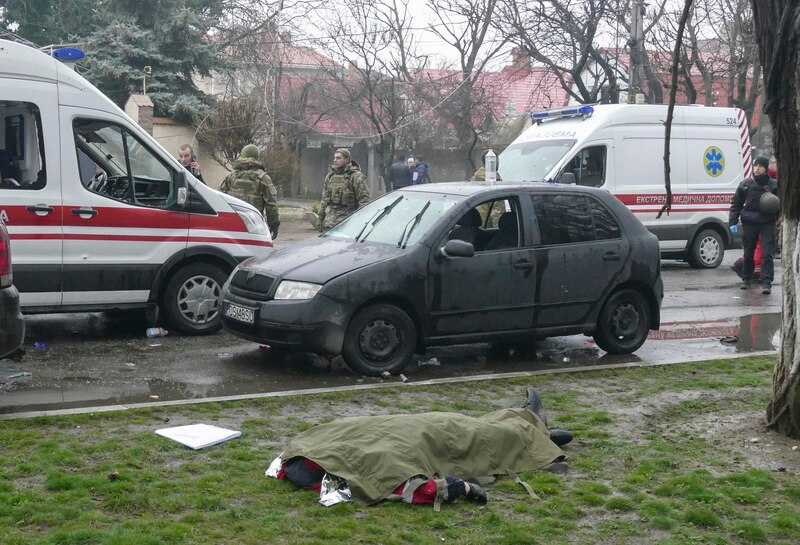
{"x": 563, "y": 219}
{"x": 114, "y": 163}
{"x": 605, "y": 226}
{"x": 22, "y": 161}
{"x": 491, "y": 225}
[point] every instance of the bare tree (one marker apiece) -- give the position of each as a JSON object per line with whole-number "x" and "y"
{"x": 718, "y": 53}
{"x": 459, "y": 93}
{"x": 231, "y": 124}
{"x": 373, "y": 39}
{"x": 778, "y": 37}
{"x": 563, "y": 36}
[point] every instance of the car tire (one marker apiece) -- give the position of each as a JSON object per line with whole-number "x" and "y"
{"x": 624, "y": 322}
{"x": 191, "y": 299}
{"x": 707, "y": 250}
{"x": 379, "y": 338}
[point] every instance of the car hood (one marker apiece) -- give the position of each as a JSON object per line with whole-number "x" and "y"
{"x": 321, "y": 259}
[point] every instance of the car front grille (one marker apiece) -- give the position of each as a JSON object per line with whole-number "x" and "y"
{"x": 255, "y": 286}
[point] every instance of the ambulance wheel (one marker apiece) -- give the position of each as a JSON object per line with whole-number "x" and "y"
{"x": 379, "y": 338}
{"x": 707, "y": 250}
{"x": 191, "y": 299}
{"x": 624, "y": 323}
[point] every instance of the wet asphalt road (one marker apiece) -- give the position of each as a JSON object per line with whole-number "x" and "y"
{"x": 92, "y": 360}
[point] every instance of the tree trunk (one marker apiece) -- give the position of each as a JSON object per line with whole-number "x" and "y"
{"x": 778, "y": 35}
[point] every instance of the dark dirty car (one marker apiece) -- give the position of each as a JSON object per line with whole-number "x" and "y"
{"x": 12, "y": 324}
{"x": 455, "y": 263}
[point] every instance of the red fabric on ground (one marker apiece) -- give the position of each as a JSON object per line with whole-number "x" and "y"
{"x": 757, "y": 255}
{"x": 425, "y": 493}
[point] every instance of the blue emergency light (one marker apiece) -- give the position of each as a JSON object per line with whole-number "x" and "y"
{"x": 585, "y": 110}
{"x": 67, "y": 54}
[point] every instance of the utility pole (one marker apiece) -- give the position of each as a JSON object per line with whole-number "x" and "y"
{"x": 636, "y": 44}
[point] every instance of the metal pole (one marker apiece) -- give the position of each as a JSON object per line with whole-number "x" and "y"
{"x": 636, "y": 44}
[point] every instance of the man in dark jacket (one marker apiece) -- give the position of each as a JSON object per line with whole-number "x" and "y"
{"x": 421, "y": 169}
{"x": 399, "y": 174}
{"x": 756, "y": 222}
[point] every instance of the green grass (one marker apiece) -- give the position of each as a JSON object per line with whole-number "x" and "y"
{"x": 639, "y": 472}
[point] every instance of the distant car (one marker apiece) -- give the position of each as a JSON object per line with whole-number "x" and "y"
{"x": 455, "y": 263}
{"x": 12, "y": 324}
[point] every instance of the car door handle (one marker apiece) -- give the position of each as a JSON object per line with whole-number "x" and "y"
{"x": 611, "y": 256}
{"x": 523, "y": 265}
{"x": 84, "y": 211}
{"x": 39, "y": 208}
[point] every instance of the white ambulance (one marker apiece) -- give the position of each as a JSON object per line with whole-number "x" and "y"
{"x": 100, "y": 215}
{"x": 620, "y": 148}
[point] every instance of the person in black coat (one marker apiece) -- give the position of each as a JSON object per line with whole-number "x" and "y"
{"x": 399, "y": 173}
{"x": 756, "y": 222}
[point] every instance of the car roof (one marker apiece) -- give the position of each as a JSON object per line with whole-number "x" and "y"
{"x": 468, "y": 189}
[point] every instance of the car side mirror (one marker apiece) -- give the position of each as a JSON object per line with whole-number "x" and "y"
{"x": 457, "y": 248}
{"x": 566, "y": 178}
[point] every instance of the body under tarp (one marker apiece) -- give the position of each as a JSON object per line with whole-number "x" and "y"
{"x": 375, "y": 454}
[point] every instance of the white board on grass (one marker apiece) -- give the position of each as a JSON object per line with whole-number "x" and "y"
{"x": 198, "y": 436}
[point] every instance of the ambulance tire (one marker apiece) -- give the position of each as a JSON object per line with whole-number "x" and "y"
{"x": 707, "y": 250}
{"x": 191, "y": 299}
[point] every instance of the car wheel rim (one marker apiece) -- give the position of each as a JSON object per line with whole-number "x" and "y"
{"x": 198, "y": 299}
{"x": 709, "y": 250}
{"x": 379, "y": 341}
{"x": 625, "y": 322}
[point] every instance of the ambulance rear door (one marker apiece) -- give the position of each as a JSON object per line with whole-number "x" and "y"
{"x": 121, "y": 221}
{"x": 30, "y": 192}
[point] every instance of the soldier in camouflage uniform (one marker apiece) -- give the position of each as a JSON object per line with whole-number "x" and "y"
{"x": 346, "y": 190}
{"x": 250, "y": 183}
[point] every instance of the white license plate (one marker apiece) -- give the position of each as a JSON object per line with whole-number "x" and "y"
{"x": 240, "y": 314}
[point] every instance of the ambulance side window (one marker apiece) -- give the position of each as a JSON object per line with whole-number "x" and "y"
{"x": 589, "y": 166}
{"x": 22, "y": 164}
{"x": 114, "y": 163}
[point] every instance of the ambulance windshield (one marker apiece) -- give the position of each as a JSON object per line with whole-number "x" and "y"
{"x": 532, "y": 161}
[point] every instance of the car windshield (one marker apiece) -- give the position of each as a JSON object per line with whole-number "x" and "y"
{"x": 388, "y": 218}
{"x": 532, "y": 161}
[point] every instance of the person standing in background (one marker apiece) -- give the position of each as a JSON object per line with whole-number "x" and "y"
{"x": 189, "y": 161}
{"x": 399, "y": 173}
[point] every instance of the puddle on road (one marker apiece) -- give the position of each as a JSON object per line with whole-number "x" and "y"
{"x": 749, "y": 333}
{"x": 252, "y": 371}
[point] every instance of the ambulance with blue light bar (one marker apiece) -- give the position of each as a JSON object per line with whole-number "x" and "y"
{"x": 100, "y": 216}
{"x": 620, "y": 148}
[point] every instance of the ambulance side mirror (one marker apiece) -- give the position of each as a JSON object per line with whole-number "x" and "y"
{"x": 566, "y": 178}
{"x": 183, "y": 196}
{"x": 183, "y": 191}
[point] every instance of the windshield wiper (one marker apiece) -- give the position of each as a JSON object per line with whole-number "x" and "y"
{"x": 416, "y": 219}
{"x": 382, "y": 214}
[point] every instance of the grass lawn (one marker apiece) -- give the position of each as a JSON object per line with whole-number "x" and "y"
{"x": 669, "y": 455}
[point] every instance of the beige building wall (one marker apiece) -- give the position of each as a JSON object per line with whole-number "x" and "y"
{"x": 173, "y": 135}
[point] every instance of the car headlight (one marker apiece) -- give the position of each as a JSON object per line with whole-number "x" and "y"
{"x": 289, "y": 289}
{"x": 253, "y": 220}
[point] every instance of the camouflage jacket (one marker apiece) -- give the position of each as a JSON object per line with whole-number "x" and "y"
{"x": 346, "y": 190}
{"x": 250, "y": 183}
{"x": 480, "y": 176}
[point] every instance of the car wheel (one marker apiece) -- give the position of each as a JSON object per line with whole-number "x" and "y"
{"x": 191, "y": 299}
{"x": 624, "y": 323}
{"x": 379, "y": 338}
{"x": 707, "y": 250}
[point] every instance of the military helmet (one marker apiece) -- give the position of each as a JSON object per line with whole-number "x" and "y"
{"x": 251, "y": 151}
{"x": 769, "y": 203}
